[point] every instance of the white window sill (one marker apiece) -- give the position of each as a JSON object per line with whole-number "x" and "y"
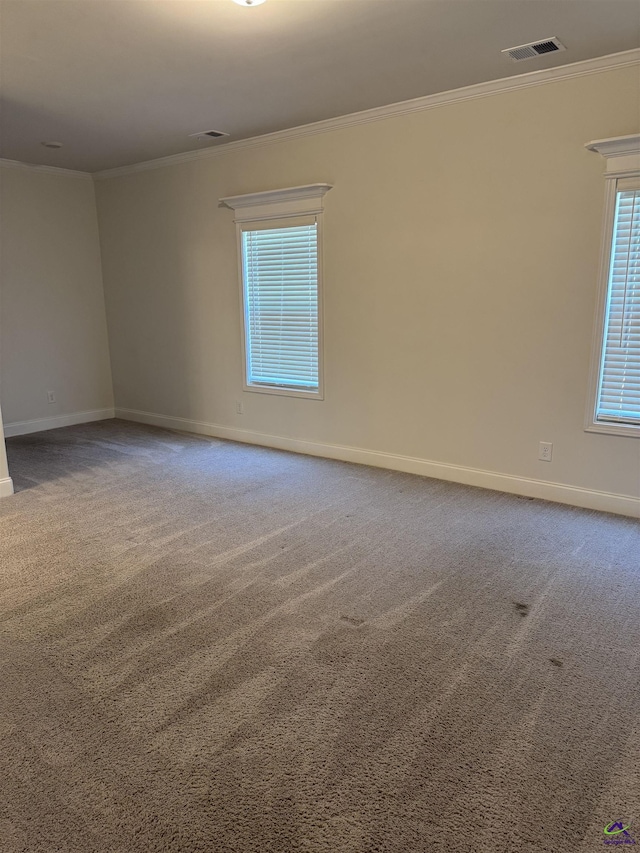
{"x": 284, "y": 392}
{"x": 611, "y": 428}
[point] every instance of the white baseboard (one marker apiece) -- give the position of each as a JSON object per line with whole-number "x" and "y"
{"x": 40, "y": 424}
{"x": 6, "y": 487}
{"x": 558, "y": 492}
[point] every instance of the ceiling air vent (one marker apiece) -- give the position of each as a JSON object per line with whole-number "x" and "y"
{"x": 534, "y": 48}
{"x": 211, "y": 134}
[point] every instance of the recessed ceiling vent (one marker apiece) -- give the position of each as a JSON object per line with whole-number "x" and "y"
{"x": 208, "y": 134}
{"x": 534, "y": 48}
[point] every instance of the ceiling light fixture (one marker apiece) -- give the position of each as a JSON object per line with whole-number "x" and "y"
{"x": 248, "y": 2}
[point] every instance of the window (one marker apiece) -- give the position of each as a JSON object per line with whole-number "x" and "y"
{"x": 280, "y": 264}
{"x": 614, "y": 405}
{"x": 619, "y": 380}
{"x": 280, "y": 300}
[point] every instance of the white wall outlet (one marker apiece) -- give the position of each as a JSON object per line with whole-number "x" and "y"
{"x": 545, "y": 451}
{"x": 239, "y": 407}
{"x": 51, "y": 396}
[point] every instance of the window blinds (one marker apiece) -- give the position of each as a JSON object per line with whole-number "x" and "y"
{"x": 619, "y": 390}
{"x": 280, "y": 279}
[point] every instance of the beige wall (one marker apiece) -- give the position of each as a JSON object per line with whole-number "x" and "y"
{"x": 461, "y": 258}
{"x": 53, "y": 334}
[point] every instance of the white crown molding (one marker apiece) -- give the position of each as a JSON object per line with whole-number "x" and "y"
{"x": 622, "y": 154}
{"x": 477, "y": 90}
{"x": 291, "y": 201}
{"x": 616, "y": 146}
{"x": 50, "y": 170}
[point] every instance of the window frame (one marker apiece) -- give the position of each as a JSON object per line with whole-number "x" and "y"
{"x": 623, "y": 161}
{"x": 278, "y": 206}
{"x": 281, "y": 390}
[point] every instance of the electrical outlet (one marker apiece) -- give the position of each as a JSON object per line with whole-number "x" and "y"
{"x": 545, "y": 451}
{"x": 51, "y": 396}
{"x": 239, "y": 407}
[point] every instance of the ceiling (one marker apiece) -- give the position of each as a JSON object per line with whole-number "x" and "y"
{"x": 122, "y": 81}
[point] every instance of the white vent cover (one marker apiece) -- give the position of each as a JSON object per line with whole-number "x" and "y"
{"x": 534, "y": 48}
{"x": 208, "y": 134}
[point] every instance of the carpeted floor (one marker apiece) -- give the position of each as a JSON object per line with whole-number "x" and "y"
{"x": 212, "y": 647}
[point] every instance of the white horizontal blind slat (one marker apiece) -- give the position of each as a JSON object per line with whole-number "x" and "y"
{"x": 619, "y": 388}
{"x": 280, "y": 276}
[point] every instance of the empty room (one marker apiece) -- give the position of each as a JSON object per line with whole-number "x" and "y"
{"x": 320, "y": 426}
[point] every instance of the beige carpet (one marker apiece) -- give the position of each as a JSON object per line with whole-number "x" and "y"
{"x": 212, "y": 647}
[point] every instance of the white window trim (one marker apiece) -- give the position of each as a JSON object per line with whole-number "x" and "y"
{"x": 622, "y": 154}
{"x": 286, "y": 203}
